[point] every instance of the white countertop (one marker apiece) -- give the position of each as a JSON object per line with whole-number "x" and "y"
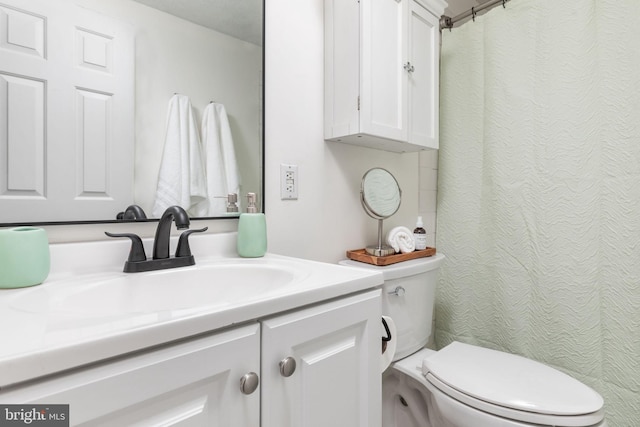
{"x": 47, "y": 328}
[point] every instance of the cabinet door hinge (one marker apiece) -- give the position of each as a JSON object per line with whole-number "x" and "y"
{"x": 358, "y": 103}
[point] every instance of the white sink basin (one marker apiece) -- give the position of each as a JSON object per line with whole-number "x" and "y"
{"x": 202, "y": 286}
{"x": 89, "y": 310}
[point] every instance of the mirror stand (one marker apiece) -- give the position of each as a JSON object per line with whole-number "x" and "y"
{"x": 381, "y": 249}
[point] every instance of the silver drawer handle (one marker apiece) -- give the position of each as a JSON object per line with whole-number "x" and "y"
{"x": 249, "y": 383}
{"x": 287, "y": 366}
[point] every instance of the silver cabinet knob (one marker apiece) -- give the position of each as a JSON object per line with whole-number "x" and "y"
{"x": 287, "y": 366}
{"x": 249, "y": 383}
{"x": 398, "y": 291}
{"x": 410, "y": 68}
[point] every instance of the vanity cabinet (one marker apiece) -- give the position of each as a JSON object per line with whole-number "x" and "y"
{"x": 382, "y": 73}
{"x": 321, "y": 365}
{"x": 197, "y": 382}
{"x": 194, "y": 383}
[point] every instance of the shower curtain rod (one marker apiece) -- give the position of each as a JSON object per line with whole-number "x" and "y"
{"x": 447, "y": 22}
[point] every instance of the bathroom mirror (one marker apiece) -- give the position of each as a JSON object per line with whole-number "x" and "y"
{"x": 89, "y": 155}
{"x": 380, "y": 195}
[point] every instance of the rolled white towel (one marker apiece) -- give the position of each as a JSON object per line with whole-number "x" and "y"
{"x": 401, "y": 240}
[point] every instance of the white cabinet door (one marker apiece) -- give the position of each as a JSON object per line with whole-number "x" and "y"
{"x": 337, "y": 380}
{"x": 423, "y": 76}
{"x": 381, "y": 73}
{"x": 383, "y": 97}
{"x": 195, "y": 383}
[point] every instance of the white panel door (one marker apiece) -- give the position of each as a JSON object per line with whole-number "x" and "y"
{"x": 423, "y": 80}
{"x": 67, "y": 112}
{"x": 384, "y": 81}
{"x": 337, "y": 381}
{"x": 192, "y": 384}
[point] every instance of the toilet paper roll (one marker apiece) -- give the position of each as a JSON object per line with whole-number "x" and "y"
{"x": 390, "y": 351}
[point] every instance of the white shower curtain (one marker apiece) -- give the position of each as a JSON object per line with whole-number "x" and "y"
{"x": 539, "y": 190}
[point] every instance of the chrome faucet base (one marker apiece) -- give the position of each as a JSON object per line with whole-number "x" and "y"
{"x": 158, "y": 264}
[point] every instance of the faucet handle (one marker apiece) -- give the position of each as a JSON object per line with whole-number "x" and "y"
{"x": 136, "y": 254}
{"x": 183, "y": 249}
{"x": 134, "y": 212}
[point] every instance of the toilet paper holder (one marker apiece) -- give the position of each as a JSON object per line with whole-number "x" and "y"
{"x": 386, "y": 329}
{"x": 389, "y": 341}
{"x": 386, "y": 339}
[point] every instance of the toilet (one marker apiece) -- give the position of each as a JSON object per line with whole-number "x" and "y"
{"x": 464, "y": 385}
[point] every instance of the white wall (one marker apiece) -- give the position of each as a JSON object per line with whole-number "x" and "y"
{"x": 175, "y": 55}
{"x": 327, "y": 219}
{"x": 428, "y": 187}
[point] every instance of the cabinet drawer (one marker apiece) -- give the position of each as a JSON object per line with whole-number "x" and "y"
{"x": 192, "y": 383}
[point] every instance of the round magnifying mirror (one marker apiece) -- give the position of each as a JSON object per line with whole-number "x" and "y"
{"x": 380, "y": 195}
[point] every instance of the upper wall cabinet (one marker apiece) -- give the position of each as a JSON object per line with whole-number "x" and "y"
{"x": 381, "y": 73}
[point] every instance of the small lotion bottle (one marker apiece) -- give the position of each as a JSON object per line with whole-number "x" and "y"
{"x": 420, "y": 235}
{"x": 252, "y": 231}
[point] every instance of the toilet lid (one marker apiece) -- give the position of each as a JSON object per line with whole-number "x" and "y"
{"x": 510, "y": 381}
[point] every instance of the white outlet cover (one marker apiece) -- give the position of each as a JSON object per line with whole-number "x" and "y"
{"x": 289, "y": 182}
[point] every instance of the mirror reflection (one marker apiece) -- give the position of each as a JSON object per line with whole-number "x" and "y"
{"x": 90, "y": 95}
{"x": 380, "y": 195}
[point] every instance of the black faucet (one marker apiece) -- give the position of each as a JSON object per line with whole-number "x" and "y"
{"x": 163, "y": 232}
{"x": 138, "y": 261}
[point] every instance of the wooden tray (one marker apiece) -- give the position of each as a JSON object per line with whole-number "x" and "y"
{"x": 362, "y": 256}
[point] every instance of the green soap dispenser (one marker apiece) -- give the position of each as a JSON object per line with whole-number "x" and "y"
{"x": 252, "y": 231}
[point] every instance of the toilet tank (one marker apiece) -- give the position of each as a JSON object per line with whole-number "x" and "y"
{"x": 408, "y": 297}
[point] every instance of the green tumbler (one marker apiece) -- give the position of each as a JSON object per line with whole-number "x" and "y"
{"x": 24, "y": 257}
{"x": 252, "y": 235}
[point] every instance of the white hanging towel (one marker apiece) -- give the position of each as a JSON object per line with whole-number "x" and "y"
{"x": 223, "y": 176}
{"x": 181, "y": 180}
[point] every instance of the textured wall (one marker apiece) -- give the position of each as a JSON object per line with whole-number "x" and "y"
{"x": 539, "y": 190}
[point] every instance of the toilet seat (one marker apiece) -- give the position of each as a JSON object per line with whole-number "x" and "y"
{"x": 511, "y": 386}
